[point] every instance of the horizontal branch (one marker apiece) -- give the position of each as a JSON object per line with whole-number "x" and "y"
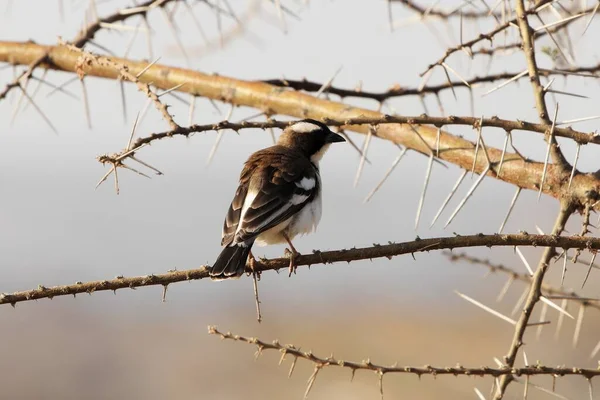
{"x": 494, "y": 122}
{"x": 85, "y": 35}
{"x": 273, "y": 100}
{"x": 398, "y": 91}
{"x": 435, "y": 12}
{"x": 317, "y": 257}
{"x": 548, "y": 290}
{"x": 367, "y": 365}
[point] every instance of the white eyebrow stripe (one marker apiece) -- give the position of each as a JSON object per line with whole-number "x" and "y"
{"x": 306, "y": 183}
{"x": 304, "y": 127}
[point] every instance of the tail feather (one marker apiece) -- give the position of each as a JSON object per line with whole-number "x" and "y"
{"x": 231, "y": 263}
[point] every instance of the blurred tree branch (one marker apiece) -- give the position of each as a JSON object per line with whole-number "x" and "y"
{"x": 583, "y": 189}
{"x": 367, "y": 365}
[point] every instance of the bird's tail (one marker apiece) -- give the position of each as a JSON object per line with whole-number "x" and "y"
{"x": 231, "y": 263}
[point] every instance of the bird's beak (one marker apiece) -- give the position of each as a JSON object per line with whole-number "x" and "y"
{"x": 333, "y": 138}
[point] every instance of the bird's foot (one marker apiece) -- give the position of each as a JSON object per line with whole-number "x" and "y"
{"x": 292, "y": 254}
{"x": 252, "y": 263}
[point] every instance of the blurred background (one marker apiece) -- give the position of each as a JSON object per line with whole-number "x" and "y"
{"x": 55, "y": 228}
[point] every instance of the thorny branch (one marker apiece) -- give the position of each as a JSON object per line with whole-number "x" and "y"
{"x": 88, "y": 59}
{"x": 83, "y": 37}
{"x": 399, "y": 91}
{"x": 273, "y": 100}
{"x": 468, "y": 45}
{"x": 533, "y": 297}
{"x": 547, "y": 290}
{"x": 367, "y": 365}
{"x": 432, "y": 11}
{"x": 539, "y": 92}
{"x": 317, "y": 257}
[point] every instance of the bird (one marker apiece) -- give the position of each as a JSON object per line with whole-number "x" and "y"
{"x": 278, "y": 197}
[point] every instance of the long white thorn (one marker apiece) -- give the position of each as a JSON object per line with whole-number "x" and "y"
{"x": 587, "y": 275}
{"x": 213, "y": 151}
{"x": 514, "y": 78}
{"x": 510, "y": 208}
{"x": 387, "y": 174}
{"x": 110, "y": 171}
{"x": 477, "y": 147}
{"x": 551, "y": 135}
{"x": 23, "y": 88}
{"x": 577, "y": 149}
{"x": 505, "y": 288}
{"x": 146, "y": 165}
{"x": 524, "y": 260}
{"x": 538, "y": 332}
{"x": 550, "y": 25}
{"x": 556, "y": 307}
{"x": 561, "y": 317}
{"x": 595, "y": 351}
{"x": 503, "y": 154}
{"x": 449, "y": 83}
{"x": 147, "y": 67}
{"x": 486, "y": 308}
{"x": 39, "y": 110}
{"x": 132, "y": 132}
{"x": 61, "y": 88}
{"x": 425, "y": 184}
{"x": 192, "y": 109}
{"x": 457, "y": 74}
{"x": 449, "y": 197}
{"x": 591, "y": 18}
{"x": 41, "y": 80}
{"x": 327, "y": 84}
{"x": 469, "y": 193}
{"x": 519, "y": 302}
{"x": 361, "y": 164}
{"x": 578, "y": 325}
{"x": 572, "y": 121}
{"x": 479, "y": 394}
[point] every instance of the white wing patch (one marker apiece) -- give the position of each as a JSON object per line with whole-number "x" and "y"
{"x": 304, "y": 127}
{"x": 306, "y": 183}
{"x": 250, "y": 196}
{"x": 298, "y": 199}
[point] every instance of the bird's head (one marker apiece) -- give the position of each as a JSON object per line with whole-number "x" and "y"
{"x": 310, "y": 137}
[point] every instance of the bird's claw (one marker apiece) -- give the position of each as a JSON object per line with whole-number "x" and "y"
{"x": 252, "y": 263}
{"x": 292, "y": 254}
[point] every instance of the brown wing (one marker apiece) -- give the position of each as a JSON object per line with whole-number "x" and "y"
{"x": 275, "y": 184}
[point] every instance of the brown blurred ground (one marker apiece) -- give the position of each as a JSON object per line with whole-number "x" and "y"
{"x": 66, "y": 349}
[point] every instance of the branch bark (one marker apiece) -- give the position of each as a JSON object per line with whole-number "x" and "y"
{"x": 533, "y": 297}
{"x": 394, "y": 369}
{"x": 317, "y": 257}
{"x": 538, "y": 91}
{"x": 275, "y": 100}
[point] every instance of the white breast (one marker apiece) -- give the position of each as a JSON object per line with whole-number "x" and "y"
{"x": 308, "y": 218}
